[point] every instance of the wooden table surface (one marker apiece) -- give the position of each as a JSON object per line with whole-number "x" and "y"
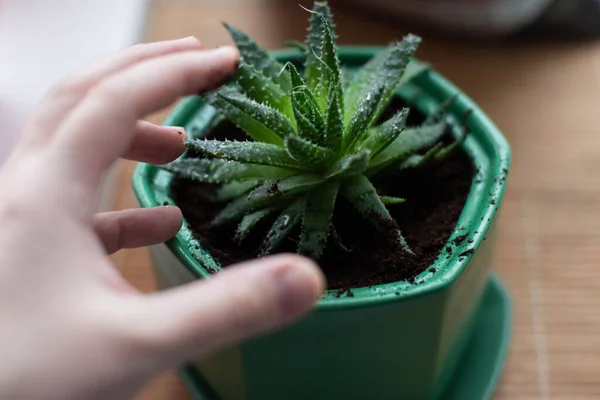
{"x": 546, "y": 100}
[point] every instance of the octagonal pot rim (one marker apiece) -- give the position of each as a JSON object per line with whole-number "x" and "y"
{"x": 485, "y": 144}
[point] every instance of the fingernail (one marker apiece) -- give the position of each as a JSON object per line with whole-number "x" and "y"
{"x": 227, "y": 54}
{"x": 230, "y": 52}
{"x": 181, "y": 132}
{"x": 299, "y": 286}
{"x": 190, "y": 38}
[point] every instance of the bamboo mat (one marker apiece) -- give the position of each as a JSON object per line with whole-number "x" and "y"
{"x": 546, "y": 100}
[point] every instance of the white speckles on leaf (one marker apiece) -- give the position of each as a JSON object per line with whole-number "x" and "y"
{"x": 255, "y": 129}
{"x": 311, "y": 135}
{"x": 385, "y": 69}
{"x": 283, "y": 225}
{"x": 258, "y": 58}
{"x": 318, "y": 211}
{"x": 271, "y": 118}
{"x": 248, "y": 152}
{"x": 411, "y": 141}
{"x": 334, "y": 124}
{"x": 379, "y": 138}
{"x": 364, "y": 116}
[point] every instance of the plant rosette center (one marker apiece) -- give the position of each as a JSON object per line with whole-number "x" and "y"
{"x": 315, "y": 137}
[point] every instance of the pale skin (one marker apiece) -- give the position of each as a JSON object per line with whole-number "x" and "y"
{"x": 70, "y": 326}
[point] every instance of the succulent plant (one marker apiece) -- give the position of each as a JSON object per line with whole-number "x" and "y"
{"x": 315, "y": 137}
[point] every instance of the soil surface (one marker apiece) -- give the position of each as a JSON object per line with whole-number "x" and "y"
{"x": 435, "y": 198}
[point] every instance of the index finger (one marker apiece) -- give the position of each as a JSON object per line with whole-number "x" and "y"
{"x": 102, "y": 126}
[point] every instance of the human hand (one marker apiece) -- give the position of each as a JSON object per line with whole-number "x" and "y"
{"x": 70, "y": 326}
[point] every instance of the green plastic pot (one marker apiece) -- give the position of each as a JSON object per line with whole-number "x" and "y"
{"x": 399, "y": 340}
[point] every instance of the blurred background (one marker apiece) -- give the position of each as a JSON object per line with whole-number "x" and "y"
{"x": 532, "y": 65}
{"x": 42, "y": 40}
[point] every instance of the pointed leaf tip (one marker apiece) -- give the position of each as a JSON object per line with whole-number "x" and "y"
{"x": 283, "y": 225}
{"x": 258, "y": 57}
{"x": 387, "y": 69}
{"x": 361, "y": 193}
{"x": 318, "y": 23}
{"x": 380, "y": 137}
{"x": 248, "y": 222}
{"x": 392, "y": 200}
{"x": 411, "y": 141}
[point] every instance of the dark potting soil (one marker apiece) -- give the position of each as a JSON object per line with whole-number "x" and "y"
{"x": 435, "y": 198}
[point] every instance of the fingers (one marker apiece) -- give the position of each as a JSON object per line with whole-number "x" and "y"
{"x": 101, "y": 127}
{"x": 65, "y": 95}
{"x": 191, "y": 321}
{"x": 156, "y": 144}
{"x": 136, "y": 228}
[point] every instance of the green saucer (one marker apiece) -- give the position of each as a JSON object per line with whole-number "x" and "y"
{"x": 478, "y": 370}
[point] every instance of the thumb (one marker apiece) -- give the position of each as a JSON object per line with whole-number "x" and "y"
{"x": 238, "y": 303}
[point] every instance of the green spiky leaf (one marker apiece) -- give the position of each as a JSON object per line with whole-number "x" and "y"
{"x": 263, "y": 90}
{"x": 331, "y": 77}
{"x": 306, "y": 128}
{"x": 286, "y": 187}
{"x": 363, "y": 116}
{"x": 314, "y": 41}
{"x": 345, "y": 75}
{"x": 306, "y": 111}
{"x": 248, "y": 222}
{"x": 419, "y": 161}
{"x": 258, "y": 58}
{"x": 439, "y": 113}
{"x": 297, "y": 80}
{"x": 219, "y": 170}
{"x": 437, "y": 153}
{"x": 386, "y": 69}
{"x": 248, "y": 152}
{"x": 450, "y": 149}
{"x": 392, "y": 200}
{"x": 255, "y": 129}
{"x": 304, "y": 151}
{"x": 236, "y": 210}
{"x": 318, "y": 210}
{"x": 381, "y": 137}
{"x": 315, "y": 134}
{"x": 283, "y": 225}
{"x": 350, "y": 165}
{"x": 334, "y": 127}
{"x": 303, "y": 98}
{"x": 271, "y": 118}
{"x": 360, "y": 192}
{"x": 411, "y": 141}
